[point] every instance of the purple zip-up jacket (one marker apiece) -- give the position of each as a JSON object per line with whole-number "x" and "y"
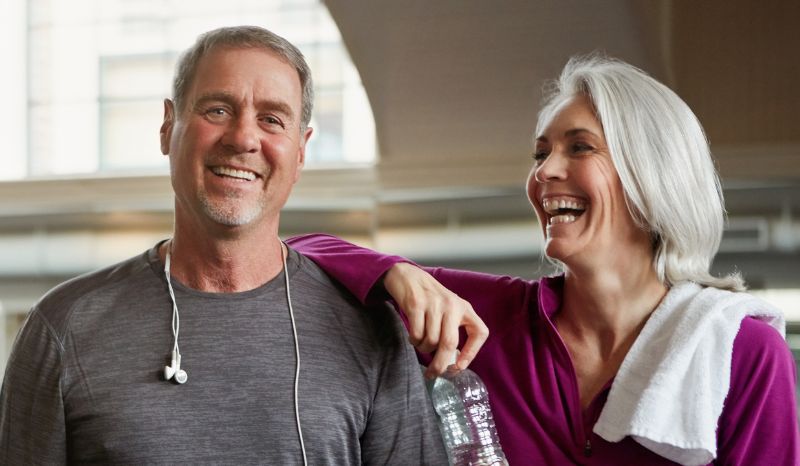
{"x": 533, "y": 387}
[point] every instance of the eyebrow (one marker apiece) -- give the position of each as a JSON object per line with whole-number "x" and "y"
{"x": 228, "y": 98}
{"x": 569, "y": 133}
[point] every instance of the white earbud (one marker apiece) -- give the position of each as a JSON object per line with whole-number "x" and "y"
{"x": 174, "y": 369}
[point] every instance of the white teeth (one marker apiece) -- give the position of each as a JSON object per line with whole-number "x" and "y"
{"x": 233, "y": 173}
{"x": 552, "y": 205}
{"x": 567, "y": 218}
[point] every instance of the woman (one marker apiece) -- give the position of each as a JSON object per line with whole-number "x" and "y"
{"x": 635, "y": 354}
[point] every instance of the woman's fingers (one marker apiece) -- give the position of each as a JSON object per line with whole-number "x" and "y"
{"x": 435, "y": 315}
{"x": 415, "y": 314}
{"x": 477, "y": 333}
{"x": 447, "y": 344}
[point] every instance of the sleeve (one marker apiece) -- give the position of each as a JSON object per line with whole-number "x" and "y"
{"x": 360, "y": 271}
{"x": 759, "y": 423}
{"x": 402, "y": 427}
{"x": 32, "y": 427}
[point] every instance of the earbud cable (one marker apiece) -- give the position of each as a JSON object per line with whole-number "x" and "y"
{"x": 176, "y": 318}
{"x": 297, "y": 353}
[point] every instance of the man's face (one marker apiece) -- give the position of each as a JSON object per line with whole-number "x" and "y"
{"x": 235, "y": 148}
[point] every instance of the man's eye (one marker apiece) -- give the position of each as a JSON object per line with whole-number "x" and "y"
{"x": 217, "y": 113}
{"x": 580, "y": 147}
{"x": 272, "y": 120}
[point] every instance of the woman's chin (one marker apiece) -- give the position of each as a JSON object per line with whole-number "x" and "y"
{"x": 569, "y": 253}
{"x": 556, "y": 249}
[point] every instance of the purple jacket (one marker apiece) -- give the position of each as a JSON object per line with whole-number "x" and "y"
{"x": 533, "y": 387}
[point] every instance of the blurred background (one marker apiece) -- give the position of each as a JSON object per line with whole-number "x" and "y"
{"x": 423, "y": 123}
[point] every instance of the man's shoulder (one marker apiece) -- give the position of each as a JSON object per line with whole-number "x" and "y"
{"x": 379, "y": 320}
{"x": 57, "y": 305}
{"x": 315, "y": 278}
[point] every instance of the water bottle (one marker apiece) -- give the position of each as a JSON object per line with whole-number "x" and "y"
{"x": 461, "y": 402}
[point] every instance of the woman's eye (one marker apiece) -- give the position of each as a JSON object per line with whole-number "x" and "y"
{"x": 539, "y": 156}
{"x": 580, "y": 147}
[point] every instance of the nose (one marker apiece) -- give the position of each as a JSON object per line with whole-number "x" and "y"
{"x": 552, "y": 168}
{"x": 242, "y": 135}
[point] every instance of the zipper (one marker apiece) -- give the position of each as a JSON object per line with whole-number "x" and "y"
{"x": 577, "y": 412}
{"x": 582, "y": 424}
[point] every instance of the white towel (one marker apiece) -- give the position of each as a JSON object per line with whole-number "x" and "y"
{"x": 670, "y": 388}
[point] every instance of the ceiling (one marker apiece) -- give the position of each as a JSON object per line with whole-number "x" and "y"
{"x": 455, "y": 84}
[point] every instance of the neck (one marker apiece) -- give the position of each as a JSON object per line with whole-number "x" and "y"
{"x": 608, "y": 307}
{"x": 224, "y": 266}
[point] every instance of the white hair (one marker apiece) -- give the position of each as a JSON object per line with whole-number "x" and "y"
{"x": 661, "y": 154}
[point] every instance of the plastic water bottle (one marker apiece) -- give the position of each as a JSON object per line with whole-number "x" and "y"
{"x": 461, "y": 401}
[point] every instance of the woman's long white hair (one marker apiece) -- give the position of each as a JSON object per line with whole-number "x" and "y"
{"x": 664, "y": 163}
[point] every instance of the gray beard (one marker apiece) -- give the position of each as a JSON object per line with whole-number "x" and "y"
{"x": 230, "y": 213}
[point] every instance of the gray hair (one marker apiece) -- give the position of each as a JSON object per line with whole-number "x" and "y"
{"x": 661, "y": 154}
{"x": 243, "y": 37}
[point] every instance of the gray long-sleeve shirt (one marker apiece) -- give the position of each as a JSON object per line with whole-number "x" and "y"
{"x": 84, "y": 382}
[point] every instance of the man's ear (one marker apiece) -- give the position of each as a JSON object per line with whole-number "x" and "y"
{"x": 166, "y": 126}
{"x": 301, "y": 154}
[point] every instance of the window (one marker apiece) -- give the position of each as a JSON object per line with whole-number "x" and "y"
{"x": 97, "y": 71}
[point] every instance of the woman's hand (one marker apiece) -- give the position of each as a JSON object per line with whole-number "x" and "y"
{"x": 434, "y": 315}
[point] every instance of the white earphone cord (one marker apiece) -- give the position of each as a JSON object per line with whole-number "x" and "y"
{"x": 296, "y": 352}
{"x": 176, "y": 326}
{"x": 176, "y": 318}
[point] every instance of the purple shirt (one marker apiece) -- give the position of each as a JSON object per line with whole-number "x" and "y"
{"x": 533, "y": 387}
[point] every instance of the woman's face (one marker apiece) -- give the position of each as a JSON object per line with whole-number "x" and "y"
{"x": 576, "y": 191}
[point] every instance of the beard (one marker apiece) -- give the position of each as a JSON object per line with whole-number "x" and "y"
{"x": 231, "y": 210}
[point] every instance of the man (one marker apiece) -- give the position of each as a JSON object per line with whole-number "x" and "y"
{"x": 218, "y": 304}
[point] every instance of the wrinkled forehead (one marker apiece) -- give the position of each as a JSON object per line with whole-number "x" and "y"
{"x": 247, "y": 70}
{"x": 220, "y": 61}
{"x": 554, "y": 107}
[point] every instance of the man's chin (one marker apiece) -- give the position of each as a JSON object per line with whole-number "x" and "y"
{"x": 229, "y": 216}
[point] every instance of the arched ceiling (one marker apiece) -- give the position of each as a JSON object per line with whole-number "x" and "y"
{"x": 455, "y": 84}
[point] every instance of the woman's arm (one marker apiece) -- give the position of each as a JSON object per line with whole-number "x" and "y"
{"x": 428, "y": 297}
{"x": 759, "y": 422}
{"x": 360, "y": 270}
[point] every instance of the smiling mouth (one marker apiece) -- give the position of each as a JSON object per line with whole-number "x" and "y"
{"x": 563, "y": 209}
{"x": 227, "y": 172}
